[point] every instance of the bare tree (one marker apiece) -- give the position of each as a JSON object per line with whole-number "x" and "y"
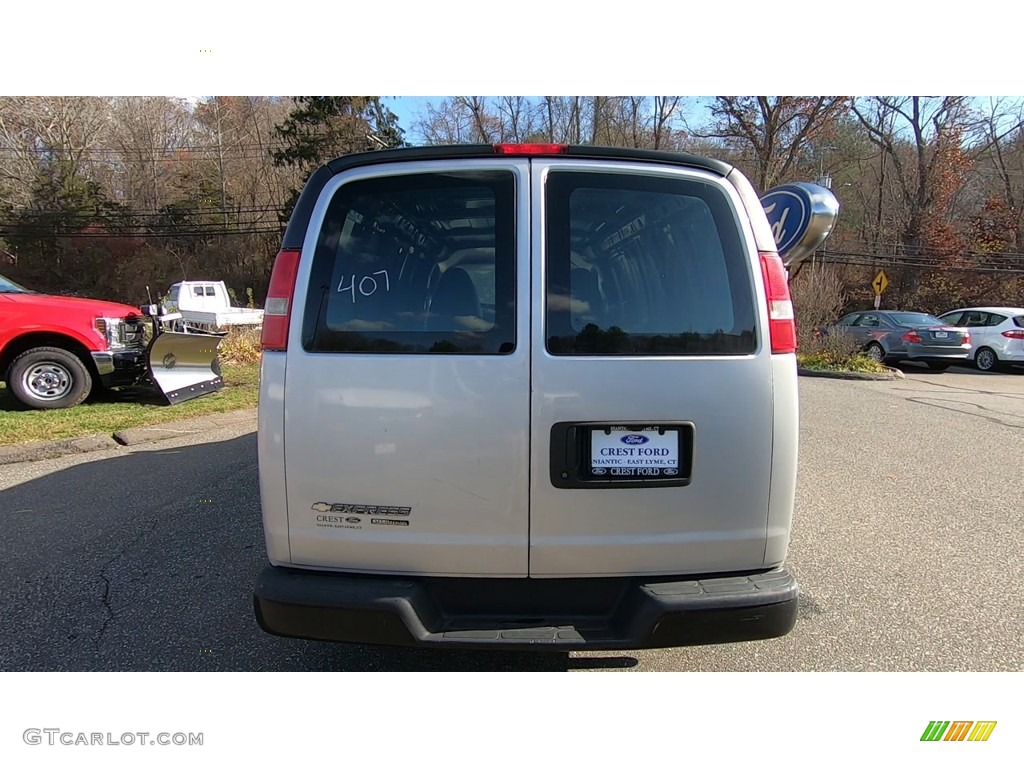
{"x": 55, "y": 132}
{"x": 448, "y": 122}
{"x": 665, "y": 109}
{"x": 775, "y": 129}
{"x": 145, "y": 134}
{"x": 519, "y": 118}
{"x": 920, "y": 137}
{"x": 1000, "y": 152}
{"x": 19, "y": 155}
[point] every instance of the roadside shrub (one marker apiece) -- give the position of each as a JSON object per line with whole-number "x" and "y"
{"x": 822, "y": 361}
{"x": 836, "y": 351}
{"x": 818, "y": 300}
{"x": 241, "y": 347}
{"x": 837, "y": 345}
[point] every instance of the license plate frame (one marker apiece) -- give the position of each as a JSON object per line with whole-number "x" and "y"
{"x": 572, "y": 448}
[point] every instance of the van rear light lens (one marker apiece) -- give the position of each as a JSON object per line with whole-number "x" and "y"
{"x": 530, "y": 149}
{"x": 1014, "y": 334}
{"x": 781, "y": 322}
{"x": 912, "y": 337}
{"x": 277, "y": 311}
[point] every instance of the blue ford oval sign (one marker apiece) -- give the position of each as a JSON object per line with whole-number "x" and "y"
{"x": 789, "y": 212}
{"x": 801, "y": 216}
{"x": 634, "y": 439}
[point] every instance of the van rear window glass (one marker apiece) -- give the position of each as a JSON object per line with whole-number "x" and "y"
{"x": 417, "y": 263}
{"x": 640, "y": 265}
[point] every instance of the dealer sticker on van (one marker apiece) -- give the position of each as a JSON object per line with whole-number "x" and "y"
{"x": 650, "y": 452}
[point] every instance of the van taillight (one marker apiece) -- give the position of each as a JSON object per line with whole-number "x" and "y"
{"x": 277, "y": 311}
{"x": 781, "y": 323}
{"x": 530, "y": 149}
{"x": 1014, "y": 334}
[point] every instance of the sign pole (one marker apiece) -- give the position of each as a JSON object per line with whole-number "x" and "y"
{"x": 879, "y": 284}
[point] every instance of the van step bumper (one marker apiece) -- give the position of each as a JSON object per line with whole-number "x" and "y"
{"x": 526, "y": 614}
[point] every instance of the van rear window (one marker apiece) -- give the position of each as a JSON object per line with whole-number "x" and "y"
{"x": 641, "y": 265}
{"x": 417, "y": 263}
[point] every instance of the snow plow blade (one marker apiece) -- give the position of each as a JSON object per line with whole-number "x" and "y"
{"x": 184, "y": 366}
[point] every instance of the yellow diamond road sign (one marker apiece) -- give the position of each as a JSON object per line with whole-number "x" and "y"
{"x": 880, "y": 283}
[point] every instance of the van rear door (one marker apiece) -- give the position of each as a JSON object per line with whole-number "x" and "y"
{"x": 407, "y": 383}
{"x": 652, "y": 409}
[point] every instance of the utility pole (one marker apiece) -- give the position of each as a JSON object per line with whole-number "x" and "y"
{"x": 823, "y": 180}
{"x": 220, "y": 161}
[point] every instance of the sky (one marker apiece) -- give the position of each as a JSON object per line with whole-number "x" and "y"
{"x": 408, "y": 109}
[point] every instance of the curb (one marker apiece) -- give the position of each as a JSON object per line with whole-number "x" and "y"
{"x": 167, "y": 430}
{"x": 853, "y": 375}
{"x": 51, "y": 449}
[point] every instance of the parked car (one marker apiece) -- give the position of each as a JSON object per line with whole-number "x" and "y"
{"x": 997, "y": 334}
{"x": 528, "y": 396}
{"x": 56, "y": 350}
{"x": 890, "y": 335}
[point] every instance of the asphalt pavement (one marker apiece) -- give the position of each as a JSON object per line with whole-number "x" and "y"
{"x": 907, "y": 544}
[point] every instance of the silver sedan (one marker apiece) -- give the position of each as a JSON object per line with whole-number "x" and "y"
{"x": 889, "y": 335}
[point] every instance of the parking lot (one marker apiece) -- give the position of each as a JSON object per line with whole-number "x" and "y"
{"x": 907, "y": 545}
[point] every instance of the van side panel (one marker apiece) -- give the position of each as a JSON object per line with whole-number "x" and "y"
{"x": 784, "y": 457}
{"x": 785, "y": 430}
{"x": 270, "y": 442}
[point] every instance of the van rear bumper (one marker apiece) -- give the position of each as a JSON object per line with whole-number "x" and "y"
{"x": 526, "y": 614}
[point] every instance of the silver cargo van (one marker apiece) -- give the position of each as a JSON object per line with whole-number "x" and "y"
{"x": 528, "y": 397}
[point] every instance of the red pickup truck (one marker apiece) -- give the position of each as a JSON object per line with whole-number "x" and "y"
{"x": 55, "y": 350}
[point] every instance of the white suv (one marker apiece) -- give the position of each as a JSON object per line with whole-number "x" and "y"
{"x": 528, "y": 396}
{"x": 997, "y": 334}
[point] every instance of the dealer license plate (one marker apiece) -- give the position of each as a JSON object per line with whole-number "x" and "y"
{"x": 624, "y": 452}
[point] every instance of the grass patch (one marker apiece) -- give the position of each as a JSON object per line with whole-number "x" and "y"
{"x": 110, "y": 411}
{"x": 823, "y": 361}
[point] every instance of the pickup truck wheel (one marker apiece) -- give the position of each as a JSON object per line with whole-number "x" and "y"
{"x": 49, "y": 377}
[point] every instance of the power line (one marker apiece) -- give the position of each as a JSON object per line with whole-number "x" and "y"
{"x": 150, "y": 213}
{"x": 253, "y": 229}
{"x": 135, "y": 149}
{"x": 916, "y": 251}
{"x": 881, "y": 260}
